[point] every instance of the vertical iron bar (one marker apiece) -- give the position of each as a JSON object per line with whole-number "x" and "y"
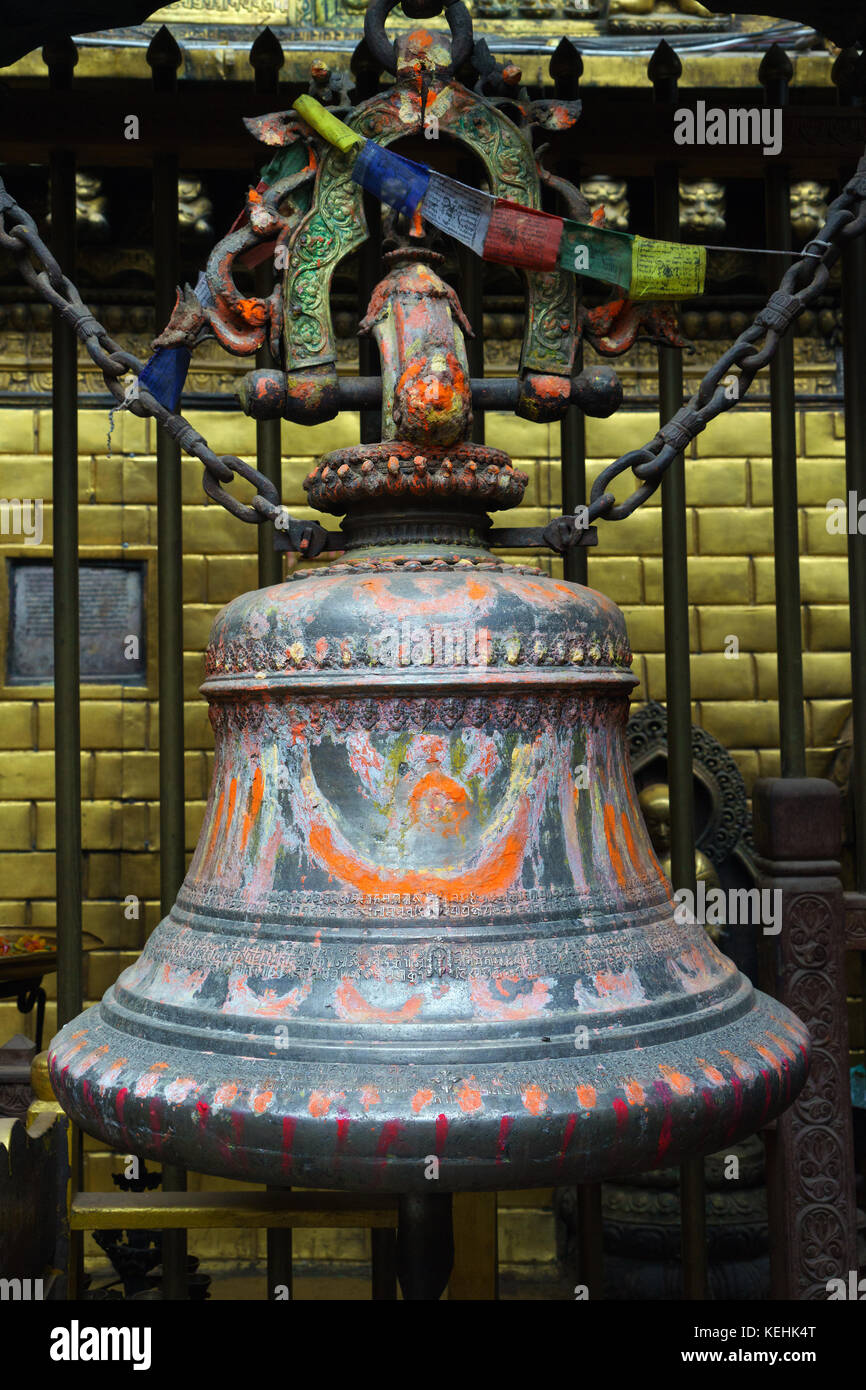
{"x": 572, "y": 441}
{"x": 366, "y": 73}
{"x": 164, "y": 57}
{"x": 279, "y": 1254}
{"x": 67, "y": 683}
{"x": 268, "y": 461}
{"x": 566, "y": 68}
{"x": 854, "y": 358}
{"x": 472, "y": 299}
{"x": 665, "y": 70}
{"x": 775, "y": 74}
{"x": 383, "y": 1264}
{"x": 590, "y": 1238}
{"x": 61, "y": 58}
{"x": 266, "y": 59}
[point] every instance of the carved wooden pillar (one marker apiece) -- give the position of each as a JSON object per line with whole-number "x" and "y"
{"x": 810, "y": 1154}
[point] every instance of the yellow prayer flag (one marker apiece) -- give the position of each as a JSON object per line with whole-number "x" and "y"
{"x": 328, "y": 126}
{"x": 666, "y": 269}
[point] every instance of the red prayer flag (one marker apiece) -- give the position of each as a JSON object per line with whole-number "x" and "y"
{"x": 521, "y": 236}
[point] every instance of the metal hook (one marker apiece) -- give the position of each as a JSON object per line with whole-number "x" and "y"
{"x": 384, "y": 50}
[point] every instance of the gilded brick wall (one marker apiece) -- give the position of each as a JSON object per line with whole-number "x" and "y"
{"x": 731, "y": 590}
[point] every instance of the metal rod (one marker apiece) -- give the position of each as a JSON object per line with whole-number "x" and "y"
{"x": 775, "y": 73}
{"x": 268, "y": 453}
{"x": 169, "y": 521}
{"x": 665, "y": 70}
{"x": 369, "y": 275}
{"x": 590, "y": 1238}
{"x": 67, "y": 684}
{"x": 383, "y": 1265}
{"x": 472, "y": 299}
{"x": 566, "y": 69}
{"x": 61, "y": 59}
{"x": 279, "y": 1248}
{"x": 854, "y": 356}
{"x": 425, "y": 1245}
{"x": 572, "y": 439}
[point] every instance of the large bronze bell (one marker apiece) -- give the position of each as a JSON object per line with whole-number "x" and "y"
{"x": 424, "y": 920}
{"x": 424, "y": 917}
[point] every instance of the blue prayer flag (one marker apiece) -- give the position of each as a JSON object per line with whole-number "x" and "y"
{"x": 394, "y": 180}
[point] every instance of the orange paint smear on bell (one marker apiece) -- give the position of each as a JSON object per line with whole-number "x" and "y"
{"x": 256, "y": 794}
{"x": 233, "y": 792}
{"x": 491, "y": 877}
{"x": 634, "y": 1092}
{"x": 741, "y": 1068}
{"x": 770, "y": 1056}
{"x": 420, "y": 1099}
{"x": 262, "y": 1101}
{"x": 587, "y": 1096}
{"x": 535, "y": 1099}
{"x": 711, "y": 1073}
{"x": 630, "y": 845}
{"x": 353, "y": 1007}
{"x": 226, "y": 1093}
{"x": 216, "y": 824}
{"x": 613, "y": 851}
{"x": 320, "y": 1104}
{"x": 469, "y": 1098}
{"x": 783, "y": 1047}
{"x": 439, "y": 802}
{"x": 370, "y": 1096}
{"x": 683, "y": 1085}
{"x": 529, "y": 1005}
{"x": 606, "y": 982}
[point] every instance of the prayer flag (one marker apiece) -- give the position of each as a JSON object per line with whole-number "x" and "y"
{"x": 396, "y": 181}
{"x": 522, "y": 236}
{"x": 509, "y": 233}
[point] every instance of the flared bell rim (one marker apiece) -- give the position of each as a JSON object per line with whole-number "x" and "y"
{"x": 363, "y": 1127}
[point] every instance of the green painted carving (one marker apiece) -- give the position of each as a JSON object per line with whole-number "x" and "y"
{"x": 335, "y": 224}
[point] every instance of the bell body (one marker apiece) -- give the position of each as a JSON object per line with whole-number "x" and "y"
{"x": 424, "y": 920}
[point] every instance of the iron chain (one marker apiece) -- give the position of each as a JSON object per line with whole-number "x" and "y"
{"x": 801, "y": 285}
{"x": 20, "y": 236}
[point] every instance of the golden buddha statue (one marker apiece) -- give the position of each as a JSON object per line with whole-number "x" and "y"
{"x": 655, "y": 803}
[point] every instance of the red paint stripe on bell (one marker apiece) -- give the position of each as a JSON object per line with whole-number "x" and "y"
{"x": 120, "y": 1102}
{"x": 390, "y": 1133}
{"x": 441, "y": 1134}
{"x": 505, "y": 1125}
{"x": 156, "y": 1126}
{"x": 621, "y": 1112}
{"x": 737, "y": 1088}
{"x": 662, "y": 1089}
{"x": 566, "y": 1138}
{"x": 342, "y": 1132}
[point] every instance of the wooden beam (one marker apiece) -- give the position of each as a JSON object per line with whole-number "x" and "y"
{"x": 100, "y": 1211}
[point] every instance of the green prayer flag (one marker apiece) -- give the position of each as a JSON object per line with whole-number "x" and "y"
{"x": 600, "y": 254}
{"x": 643, "y": 268}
